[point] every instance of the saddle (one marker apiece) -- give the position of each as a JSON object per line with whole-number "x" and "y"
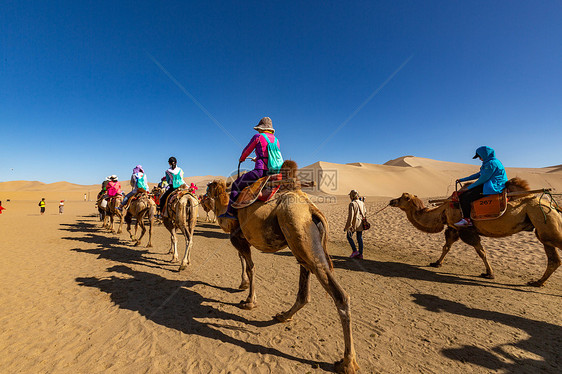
{"x": 259, "y": 190}
{"x": 175, "y": 196}
{"x": 141, "y": 192}
{"x": 489, "y": 207}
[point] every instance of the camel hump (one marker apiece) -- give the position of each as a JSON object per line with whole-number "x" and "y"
{"x": 515, "y": 185}
{"x": 289, "y": 169}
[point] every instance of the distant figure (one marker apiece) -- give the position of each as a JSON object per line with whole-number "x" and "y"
{"x": 491, "y": 180}
{"x": 85, "y": 197}
{"x": 355, "y": 215}
{"x": 42, "y": 205}
{"x": 61, "y": 207}
{"x": 192, "y": 188}
{"x": 1, "y": 208}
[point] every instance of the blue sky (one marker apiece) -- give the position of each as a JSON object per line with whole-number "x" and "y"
{"x": 92, "y": 88}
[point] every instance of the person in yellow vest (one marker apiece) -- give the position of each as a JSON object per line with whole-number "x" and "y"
{"x": 42, "y": 205}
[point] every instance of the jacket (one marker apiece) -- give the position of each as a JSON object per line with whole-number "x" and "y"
{"x": 491, "y": 175}
{"x": 113, "y": 188}
{"x": 355, "y": 215}
{"x": 259, "y": 144}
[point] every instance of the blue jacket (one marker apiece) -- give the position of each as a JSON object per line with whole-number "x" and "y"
{"x": 492, "y": 173}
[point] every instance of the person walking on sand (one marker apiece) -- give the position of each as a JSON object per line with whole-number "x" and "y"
{"x": 61, "y": 207}
{"x": 355, "y": 215}
{"x": 42, "y": 205}
{"x": 1, "y": 208}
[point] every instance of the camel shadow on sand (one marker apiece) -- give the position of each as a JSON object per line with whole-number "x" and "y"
{"x": 544, "y": 339}
{"x": 110, "y": 247}
{"x": 173, "y": 304}
{"x": 392, "y": 269}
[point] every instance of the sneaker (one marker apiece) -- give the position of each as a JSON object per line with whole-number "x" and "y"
{"x": 465, "y": 222}
{"x": 227, "y": 215}
{"x": 360, "y": 256}
{"x": 355, "y": 254}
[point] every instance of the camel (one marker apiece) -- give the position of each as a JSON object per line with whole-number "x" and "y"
{"x": 208, "y": 205}
{"x": 291, "y": 220}
{"x": 181, "y": 213}
{"x": 526, "y": 212}
{"x": 140, "y": 208}
{"x": 111, "y": 211}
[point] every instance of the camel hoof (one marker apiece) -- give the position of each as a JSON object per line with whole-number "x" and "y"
{"x": 487, "y": 276}
{"x": 282, "y": 317}
{"x": 534, "y": 284}
{"x": 149, "y": 245}
{"x": 435, "y": 265}
{"x": 182, "y": 267}
{"x": 346, "y": 366}
{"x": 244, "y": 285}
{"x": 247, "y": 305}
{"x": 136, "y": 244}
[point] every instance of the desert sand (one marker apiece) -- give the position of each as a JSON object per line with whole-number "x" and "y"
{"x": 76, "y": 298}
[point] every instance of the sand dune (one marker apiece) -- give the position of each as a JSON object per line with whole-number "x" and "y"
{"x": 421, "y": 176}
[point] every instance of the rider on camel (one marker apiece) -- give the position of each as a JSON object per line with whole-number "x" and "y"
{"x": 491, "y": 180}
{"x": 174, "y": 178}
{"x": 138, "y": 180}
{"x": 259, "y": 144}
{"x": 114, "y": 186}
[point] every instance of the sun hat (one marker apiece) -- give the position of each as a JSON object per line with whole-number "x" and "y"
{"x": 113, "y": 177}
{"x": 265, "y": 124}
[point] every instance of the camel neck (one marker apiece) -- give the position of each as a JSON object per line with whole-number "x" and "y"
{"x": 428, "y": 220}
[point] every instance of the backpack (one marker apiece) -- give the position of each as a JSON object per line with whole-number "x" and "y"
{"x": 274, "y": 158}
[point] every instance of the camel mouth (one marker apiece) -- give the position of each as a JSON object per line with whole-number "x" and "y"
{"x": 393, "y": 202}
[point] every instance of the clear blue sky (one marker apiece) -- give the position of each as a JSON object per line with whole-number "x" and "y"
{"x": 92, "y": 88}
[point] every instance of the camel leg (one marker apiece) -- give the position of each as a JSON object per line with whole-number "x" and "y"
{"x": 128, "y": 221}
{"x": 173, "y": 239}
{"x": 140, "y": 222}
{"x": 120, "y": 229}
{"x": 451, "y": 236}
{"x": 303, "y": 296}
{"x": 150, "y": 222}
{"x": 245, "y": 283}
{"x": 553, "y": 258}
{"x": 188, "y": 234}
{"x": 311, "y": 251}
{"x": 243, "y": 247}
{"x": 472, "y": 238}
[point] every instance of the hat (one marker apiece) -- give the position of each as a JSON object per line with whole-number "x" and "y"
{"x": 265, "y": 124}
{"x": 353, "y": 193}
{"x": 476, "y": 155}
{"x": 113, "y": 177}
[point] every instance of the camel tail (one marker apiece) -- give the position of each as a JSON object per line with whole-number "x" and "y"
{"x": 322, "y": 225}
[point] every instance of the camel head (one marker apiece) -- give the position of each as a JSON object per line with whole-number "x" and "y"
{"x": 216, "y": 188}
{"x": 406, "y": 201}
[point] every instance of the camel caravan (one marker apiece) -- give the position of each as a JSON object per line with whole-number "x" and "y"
{"x": 265, "y": 208}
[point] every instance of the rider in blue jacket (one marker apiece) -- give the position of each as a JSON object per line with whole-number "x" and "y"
{"x": 490, "y": 180}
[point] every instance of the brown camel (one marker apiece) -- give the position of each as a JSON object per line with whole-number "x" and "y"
{"x": 208, "y": 205}
{"x": 111, "y": 211}
{"x": 181, "y": 213}
{"x": 290, "y": 220}
{"x": 523, "y": 213}
{"x": 140, "y": 207}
